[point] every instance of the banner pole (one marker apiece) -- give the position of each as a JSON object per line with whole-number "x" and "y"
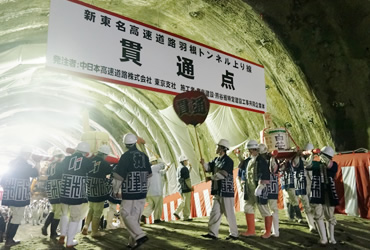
{"x": 200, "y": 151}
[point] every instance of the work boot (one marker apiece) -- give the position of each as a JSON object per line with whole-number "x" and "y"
{"x": 322, "y": 232}
{"x": 331, "y": 233}
{"x": 298, "y": 213}
{"x": 291, "y": 212}
{"x": 71, "y": 233}
{"x": 53, "y": 228}
{"x": 275, "y": 225}
{"x": 63, "y": 229}
{"x": 10, "y": 233}
{"x": 311, "y": 222}
{"x": 268, "y": 224}
{"x": 47, "y": 223}
{"x": 250, "y": 225}
{"x": 11, "y": 242}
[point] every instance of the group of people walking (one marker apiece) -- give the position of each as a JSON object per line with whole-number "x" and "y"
{"x": 258, "y": 172}
{"x": 77, "y": 187}
{"x": 79, "y": 179}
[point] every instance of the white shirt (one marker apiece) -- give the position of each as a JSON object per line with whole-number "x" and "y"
{"x": 155, "y": 186}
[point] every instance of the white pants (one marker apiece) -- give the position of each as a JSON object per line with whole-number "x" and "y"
{"x": 249, "y": 208}
{"x": 306, "y": 203}
{"x": 290, "y": 196}
{"x": 273, "y": 206}
{"x": 17, "y": 214}
{"x": 75, "y": 211}
{"x": 71, "y": 214}
{"x": 184, "y": 205}
{"x": 321, "y": 211}
{"x": 131, "y": 211}
{"x": 222, "y": 205}
{"x": 155, "y": 203}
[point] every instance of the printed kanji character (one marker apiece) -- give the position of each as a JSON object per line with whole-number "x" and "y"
{"x": 185, "y": 67}
{"x": 105, "y": 21}
{"x": 228, "y": 80}
{"x": 130, "y": 51}
{"x": 121, "y": 26}
{"x": 89, "y": 16}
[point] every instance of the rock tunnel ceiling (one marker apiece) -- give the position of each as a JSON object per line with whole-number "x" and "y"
{"x": 44, "y": 108}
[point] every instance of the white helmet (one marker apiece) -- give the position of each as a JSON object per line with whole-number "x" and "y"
{"x": 105, "y": 149}
{"x": 129, "y": 139}
{"x": 309, "y": 147}
{"x": 152, "y": 158}
{"x": 83, "y": 147}
{"x": 252, "y": 144}
{"x": 327, "y": 150}
{"x": 57, "y": 152}
{"x": 183, "y": 158}
{"x": 225, "y": 143}
{"x": 262, "y": 148}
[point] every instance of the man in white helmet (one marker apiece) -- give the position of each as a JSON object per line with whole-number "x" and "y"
{"x": 289, "y": 192}
{"x": 300, "y": 182}
{"x": 54, "y": 175}
{"x": 323, "y": 197}
{"x": 185, "y": 188}
{"x": 17, "y": 193}
{"x": 131, "y": 176}
{"x": 155, "y": 190}
{"x": 257, "y": 176}
{"x": 73, "y": 194}
{"x": 223, "y": 192}
{"x": 97, "y": 190}
{"x": 272, "y": 187}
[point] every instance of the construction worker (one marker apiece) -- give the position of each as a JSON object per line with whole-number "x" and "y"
{"x": 300, "y": 183}
{"x": 54, "y": 176}
{"x": 155, "y": 190}
{"x": 97, "y": 190}
{"x": 257, "y": 176}
{"x": 73, "y": 192}
{"x": 114, "y": 201}
{"x": 289, "y": 193}
{"x": 323, "y": 197}
{"x": 223, "y": 192}
{"x": 16, "y": 184}
{"x": 272, "y": 187}
{"x": 184, "y": 187}
{"x": 131, "y": 175}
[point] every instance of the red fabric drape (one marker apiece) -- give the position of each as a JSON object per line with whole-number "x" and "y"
{"x": 361, "y": 162}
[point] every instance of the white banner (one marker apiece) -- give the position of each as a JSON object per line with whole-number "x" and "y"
{"x": 99, "y": 44}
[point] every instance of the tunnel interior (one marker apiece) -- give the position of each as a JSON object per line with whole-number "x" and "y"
{"x": 47, "y": 108}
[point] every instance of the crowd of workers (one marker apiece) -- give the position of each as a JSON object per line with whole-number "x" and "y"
{"x": 78, "y": 187}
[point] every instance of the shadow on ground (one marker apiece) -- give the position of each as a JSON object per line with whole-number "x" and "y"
{"x": 351, "y": 233}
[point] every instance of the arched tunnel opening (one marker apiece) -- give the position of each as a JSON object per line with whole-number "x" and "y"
{"x": 306, "y": 56}
{"x": 45, "y": 108}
